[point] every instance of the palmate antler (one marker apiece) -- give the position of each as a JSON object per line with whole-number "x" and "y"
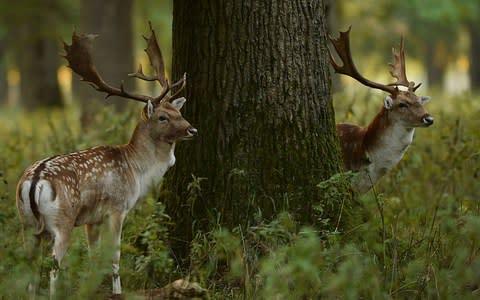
{"x": 79, "y": 57}
{"x": 397, "y": 69}
{"x": 156, "y": 60}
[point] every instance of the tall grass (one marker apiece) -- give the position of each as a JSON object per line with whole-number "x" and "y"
{"x": 417, "y": 235}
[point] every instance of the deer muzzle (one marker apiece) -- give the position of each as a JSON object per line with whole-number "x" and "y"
{"x": 191, "y": 131}
{"x": 427, "y": 120}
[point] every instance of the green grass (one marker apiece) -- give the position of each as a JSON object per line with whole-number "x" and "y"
{"x": 417, "y": 235}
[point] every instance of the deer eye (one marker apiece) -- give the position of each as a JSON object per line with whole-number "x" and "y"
{"x": 402, "y": 105}
{"x": 163, "y": 118}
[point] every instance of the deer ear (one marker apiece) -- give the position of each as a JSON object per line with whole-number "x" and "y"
{"x": 388, "y": 102}
{"x": 147, "y": 111}
{"x": 179, "y": 102}
{"x": 424, "y": 99}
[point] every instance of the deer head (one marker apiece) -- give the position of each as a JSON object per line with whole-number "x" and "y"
{"x": 161, "y": 114}
{"x": 403, "y": 105}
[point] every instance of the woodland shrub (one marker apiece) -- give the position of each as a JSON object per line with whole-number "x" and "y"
{"x": 417, "y": 235}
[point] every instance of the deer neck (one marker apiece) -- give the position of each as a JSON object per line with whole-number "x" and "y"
{"x": 384, "y": 144}
{"x": 386, "y": 141}
{"x": 385, "y": 131}
{"x": 148, "y": 159}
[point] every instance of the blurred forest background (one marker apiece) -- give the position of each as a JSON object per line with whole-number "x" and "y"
{"x": 440, "y": 42}
{"x": 418, "y": 233}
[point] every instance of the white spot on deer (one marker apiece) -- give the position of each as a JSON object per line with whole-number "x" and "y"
{"x": 90, "y": 185}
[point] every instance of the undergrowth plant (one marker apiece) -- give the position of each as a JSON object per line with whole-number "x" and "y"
{"x": 417, "y": 235}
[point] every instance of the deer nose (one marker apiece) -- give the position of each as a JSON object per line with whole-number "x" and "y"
{"x": 192, "y": 131}
{"x": 427, "y": 120}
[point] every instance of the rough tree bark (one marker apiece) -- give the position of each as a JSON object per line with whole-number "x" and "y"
{"x": 113, "y": 55}
{"x": 259, "y": 93}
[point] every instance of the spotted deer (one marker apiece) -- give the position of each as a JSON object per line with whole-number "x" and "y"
{"x": 374, "y": 150}
{"x": 103, "y": 183}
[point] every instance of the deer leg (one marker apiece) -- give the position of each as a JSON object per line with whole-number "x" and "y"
{"x": 34, "y": 246}
{"x": 60, "y": 245}
{"x": 33, "y": 252}
{"x": 92, "y": 232}
{"x": 116, "y": 221}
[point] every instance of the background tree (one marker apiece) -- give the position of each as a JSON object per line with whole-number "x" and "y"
{"x": 440, "y": 28}
{"x": 259, "y": 93}
{"x": 434, "y": 28}
{"x": 112, "y": 20}
{"x": 3, "y": 69}
{"x": 474, "y": 71}
{"x": 470, "y": 14}
{"x": 35, "y": 48}
{"x": 435, "y": 36}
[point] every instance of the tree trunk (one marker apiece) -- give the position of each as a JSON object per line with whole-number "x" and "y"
{"x": 259, "y": 93}
{"x": 474, "y": 58}
{"x": 3, "y": 72}
{"x": 113, "y": 51}
{"x": 332, "y": 11}
{"x": 435, "y": 65}
{"x": 38, "y": 67}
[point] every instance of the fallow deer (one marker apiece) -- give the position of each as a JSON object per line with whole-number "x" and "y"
{"x": 103, "y": 183}
{"x": 374, "y": 150}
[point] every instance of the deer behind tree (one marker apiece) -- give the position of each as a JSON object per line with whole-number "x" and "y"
{"x": 374, "y": 150}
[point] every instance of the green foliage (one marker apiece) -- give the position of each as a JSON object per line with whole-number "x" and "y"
{"x": 152, "y": 263}
{"x": 443, "y": 10}
{"x": 145, "y": 257}
{"x": 333, "y": 191}
{"x": 418, "y": 234}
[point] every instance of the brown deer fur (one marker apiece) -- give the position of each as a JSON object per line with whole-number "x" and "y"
{"x": 374, "y": 150}
{"x": 103, "y": 183}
